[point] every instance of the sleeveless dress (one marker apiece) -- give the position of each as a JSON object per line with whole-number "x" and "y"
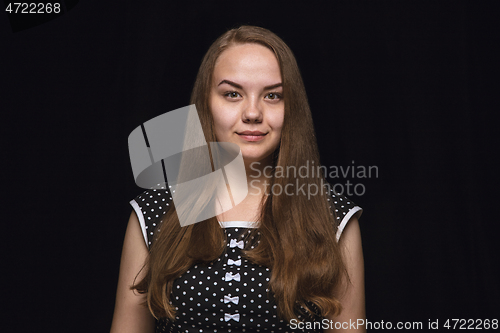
{"x": 231, "y": 294}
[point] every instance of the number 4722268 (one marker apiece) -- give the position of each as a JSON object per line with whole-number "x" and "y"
{"x": 477, "y": 324}
{"x": 33, "y": 8}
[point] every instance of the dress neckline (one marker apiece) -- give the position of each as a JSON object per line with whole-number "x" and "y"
{"x": 238, "y": 224}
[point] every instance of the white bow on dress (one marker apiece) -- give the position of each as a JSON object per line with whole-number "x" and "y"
{"x": 234, "y": 243}
{"x": 230, "y": 276}
{"x": 234, "y": 262}
{"x": 234, "y": 299}
{"x": 228, "y": 316}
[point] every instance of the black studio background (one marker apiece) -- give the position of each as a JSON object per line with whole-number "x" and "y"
{"x": 407, "y": 86}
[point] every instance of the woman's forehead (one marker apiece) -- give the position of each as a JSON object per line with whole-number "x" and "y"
{"x": 247, "y": 64}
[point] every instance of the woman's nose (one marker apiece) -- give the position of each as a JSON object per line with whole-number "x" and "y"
{"x": 252, "y": 112}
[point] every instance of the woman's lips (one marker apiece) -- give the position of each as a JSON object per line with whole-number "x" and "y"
{"x": 252, "y": 138}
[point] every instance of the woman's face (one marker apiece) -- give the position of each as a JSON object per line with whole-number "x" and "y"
{"x": 246, "y": 96}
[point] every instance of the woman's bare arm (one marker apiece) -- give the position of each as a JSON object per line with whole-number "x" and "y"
{"x": 353, "y": 299}
{"x": 130, "y": 315}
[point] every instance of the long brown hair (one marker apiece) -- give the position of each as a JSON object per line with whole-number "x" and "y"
{"x": 296, "y": 232}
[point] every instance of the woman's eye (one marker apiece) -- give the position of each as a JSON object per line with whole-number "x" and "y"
{"x": 232, "y": 94}
{"x": 273, "y": 96}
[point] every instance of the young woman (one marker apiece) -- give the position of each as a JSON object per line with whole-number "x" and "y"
{"x": 286, "y": 258}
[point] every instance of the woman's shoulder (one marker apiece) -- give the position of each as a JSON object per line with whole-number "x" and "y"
{"x": 150, "y": 206}
{"x": 342, "y": 208}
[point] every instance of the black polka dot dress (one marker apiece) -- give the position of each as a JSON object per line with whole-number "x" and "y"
{"x": 231, "y": 294}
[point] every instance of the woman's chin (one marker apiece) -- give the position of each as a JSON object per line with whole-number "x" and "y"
{"x": 256, "y": 160}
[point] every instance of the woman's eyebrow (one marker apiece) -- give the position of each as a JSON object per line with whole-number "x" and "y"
{"x": 231, "y": 83}
{"x": 276, "y": 85}
{"x": 236, "y": 85}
